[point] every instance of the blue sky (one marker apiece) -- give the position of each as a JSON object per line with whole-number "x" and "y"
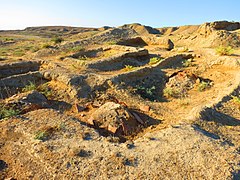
{"x": 18, "y": 14}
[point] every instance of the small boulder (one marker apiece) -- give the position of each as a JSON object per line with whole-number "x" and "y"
{"x": 162, "y": 42}
{"x": 115, "y": 118}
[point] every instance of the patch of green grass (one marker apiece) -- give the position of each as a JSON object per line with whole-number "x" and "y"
{"x": 129, "y": 68}
{"x": 75, "y": 49}
{"x": 46, "y": 90}
{"x": 6, "y": 112}
{"x": 41, "y": 135}
{"x": 61, "y": 126}
{"x": 18, "y": 53}
{"x": 57, "y": 40}
{"x": 236, "y": 99}
{"x": 203, "y": 86}
{"x": 83, "y": 58}
{"x": 45, "y": 46}
{"x": 155, "y": 60}
{"x": 111, "y": 42}
{"x": 30, "y": 87}
{"x": 187, "y": 63}
{"x": 146, "y": 92}
{"x": 170, "y": 92}
{"x": 222, "y": 50}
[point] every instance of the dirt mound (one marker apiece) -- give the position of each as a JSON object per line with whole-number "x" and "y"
{"x": 141, "y": 29}
{"x": 178, "y": 30}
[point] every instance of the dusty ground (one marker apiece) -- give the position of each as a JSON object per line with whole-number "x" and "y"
{"x": 132, "y": 102}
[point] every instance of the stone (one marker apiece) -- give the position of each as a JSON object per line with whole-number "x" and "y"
{"x": 115, "y": 118}
{"x": 76, "y": 108}
{"x": 162, "y": 42}
{"x": 144, "y": 108}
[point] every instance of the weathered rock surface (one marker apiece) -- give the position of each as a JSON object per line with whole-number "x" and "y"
{"x": 115, "y": 118}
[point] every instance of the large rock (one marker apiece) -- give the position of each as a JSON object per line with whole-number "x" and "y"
{"x": 225, "y": 25}
{"x": 115, "y": 118}
{"x": 161, "y": 42}
{"x": 207, "y": 28}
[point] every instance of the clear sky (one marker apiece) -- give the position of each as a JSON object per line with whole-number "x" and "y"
{"x": 18, "y": 14}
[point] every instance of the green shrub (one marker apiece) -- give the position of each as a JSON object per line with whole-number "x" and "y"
{"x": 8, "y": 112}
{"x": 18, "y": 53}
{"x": 187, "y": 63}
{"x": 57, "y": 40}
{"x": 46, "y": 46}
{"x": 75, "y": 49}
{"x": 221, "y": 50}
{"x": 170, "y": 92}
{"x": 41, "y": 135}
{"x": 155, "y": 60}
{"x": 146, "y": 92}
{"x": 30, "y": 87}
{"x": 46, "y": 90}
{"x": 129, "y": 68}
{"x": 203, "y": 86}
{"x": 236, "y": 99}
{"x": 111, "y": 42}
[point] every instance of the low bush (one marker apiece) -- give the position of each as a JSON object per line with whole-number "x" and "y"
{"x": 222, "y": 50}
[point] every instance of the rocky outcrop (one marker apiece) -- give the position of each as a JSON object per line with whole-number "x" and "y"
{"x": 207, "y": 28}
{"x": 162, "y": 42}
{"x": 115, "y": 118}
{"x": 141, "y": 29}
{"x": 225, "y": 25}
{"x": 13, "y": 68}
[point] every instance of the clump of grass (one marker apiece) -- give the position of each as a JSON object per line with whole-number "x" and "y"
{"x": 44, "y": 89}
{"x": 187, "y": 63}
{"x": 236, "y": 99}
{"x": 203, "y": 86}
{"x": 155, "y": 60}
{"x": 30, "y": 87}
{"x": 111, "y": 42}
{"x": 170, "y": 92}
{"x": 129, "y": 68}
{"x": 222, "y": 50}
{"x": 41, "y": 135}
{"x": 146, "y": 92}
{"x": 18, "y": 53}
{"x": 83, "y": 58}
{"x": 57, "y": 40}
{"x": 6, "y": 112}
{"x": 45, "y": 46}
{"x": 61, "y": 126}
{"x": 75, "y": 49}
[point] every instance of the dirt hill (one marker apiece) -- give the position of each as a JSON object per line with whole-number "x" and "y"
{"x": 127, "y": 102}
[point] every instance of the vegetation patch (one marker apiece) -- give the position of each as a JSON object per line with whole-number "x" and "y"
{"x": 57, "y": 40}
{"x": 203, "y": 86}
{"x": 6, "y": 112}
{"x": 30, "y": 87}
{"x": 41, "y": 135}
{"x": 222, "y": 50}
{"x": 155, "y": 60}
{"x": 129, "y": 68}
{"x": 236, "y": 99}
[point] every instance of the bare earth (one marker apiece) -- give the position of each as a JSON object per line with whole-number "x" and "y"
{"x": 131, "y": 102}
